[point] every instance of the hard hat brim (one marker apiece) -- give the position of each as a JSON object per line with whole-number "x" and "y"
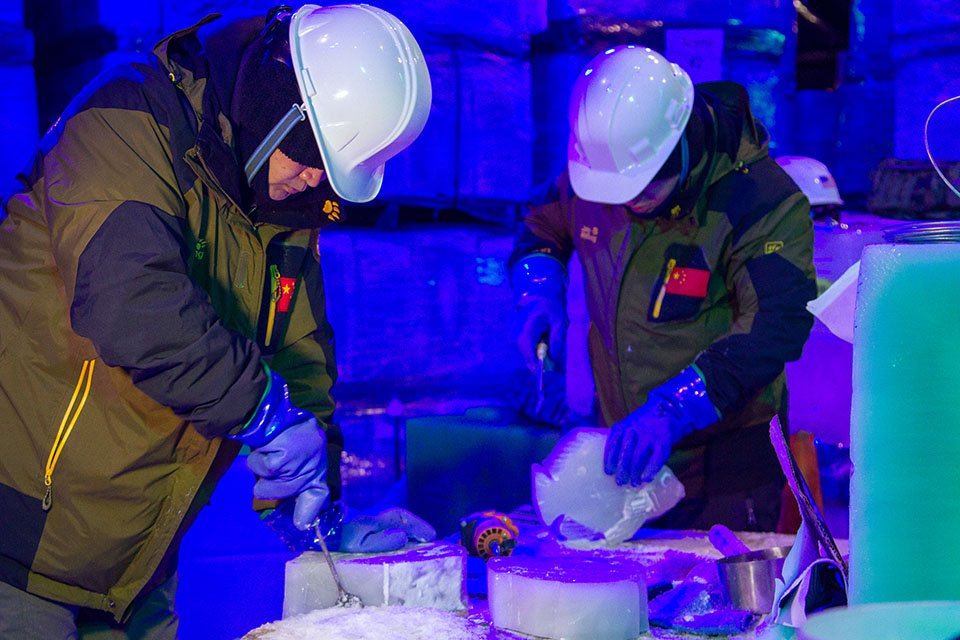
{"x": 354, "y": 183}
{"x": 607, "y": 187}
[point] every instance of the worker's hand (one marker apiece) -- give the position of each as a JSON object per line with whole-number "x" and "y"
{"x": 535, "y": 318}
{"x": 389, "y": 530}
{"x": 640, "y": 444}
{"x": 289, "y": 452}
{"x": 294, "y": 464}
{"x": 539, "y": 286}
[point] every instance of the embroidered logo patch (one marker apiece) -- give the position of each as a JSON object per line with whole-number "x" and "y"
{"x": 589, "y": 233}
{"x": 772, "y": 247}
{"x": 332, "y": 209}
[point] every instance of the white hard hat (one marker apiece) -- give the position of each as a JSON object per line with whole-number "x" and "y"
{"x": 627, "y": 112}
{"x": 366, "y": 90}
{"x": 813, "y": 178}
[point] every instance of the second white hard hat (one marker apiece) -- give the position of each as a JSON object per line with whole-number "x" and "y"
{"x": 628, "y": 110}
{"x": 813, "y": 178}
{"x": 366, "y": 88}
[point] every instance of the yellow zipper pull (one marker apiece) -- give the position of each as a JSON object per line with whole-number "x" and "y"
{"x": 66, "y": 428}
{"x": 663, "y": 289}
{"x": 275, "y": 296}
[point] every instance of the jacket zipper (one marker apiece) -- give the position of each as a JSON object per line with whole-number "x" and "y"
{"x": 274, "y": 300}
{"x": 86, "y": 375}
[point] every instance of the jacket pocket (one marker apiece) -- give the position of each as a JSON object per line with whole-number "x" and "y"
{"x": 70, "y": 417}
{"x": 682, "y": 286}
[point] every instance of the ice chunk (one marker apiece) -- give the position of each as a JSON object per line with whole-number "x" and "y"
{"x": 427, "y": 575}
{"x": 395, "y": 623}
{"x": 566, "y": 597}
{"x": 572, "y": 483}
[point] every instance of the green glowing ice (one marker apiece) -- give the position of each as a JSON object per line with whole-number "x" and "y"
{"x": 905, "y": 425}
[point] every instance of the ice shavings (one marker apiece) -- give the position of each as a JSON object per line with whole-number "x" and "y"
{"x": 375, "y": 623}
{"x": 566, "y": 597}
{"x": 427, "y": 575}
{"x": 571, "y": 483}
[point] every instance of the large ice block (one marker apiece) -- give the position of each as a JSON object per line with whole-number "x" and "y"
{"x": 567, "y": 597}
{"x": 427, "y": 575}
{"x": 572, "y": 483}
{"x": 905, "y": 426}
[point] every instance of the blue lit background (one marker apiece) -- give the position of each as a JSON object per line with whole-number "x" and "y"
{"x": 417, "y": 284}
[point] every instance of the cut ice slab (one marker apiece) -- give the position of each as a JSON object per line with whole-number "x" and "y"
{"x": 567, "y": 597}
{"x": 572, "y": 483}
{"x": 426, "y": 575}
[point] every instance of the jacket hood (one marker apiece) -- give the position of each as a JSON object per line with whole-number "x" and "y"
{"x": 205, "y": 59}
{"x": 723, "y": 137}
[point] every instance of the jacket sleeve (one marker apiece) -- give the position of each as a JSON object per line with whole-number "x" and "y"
{"x": 134, "y": 299}
{"x": 545, "y": 228}
{"x": 771, "y": 277}
{"x": 111, "y": 199}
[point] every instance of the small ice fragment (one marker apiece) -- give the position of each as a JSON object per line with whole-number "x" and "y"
{"x": 572, "y": 483}
{"x": 567, "y": 597}
{"x": 427, "y": 575}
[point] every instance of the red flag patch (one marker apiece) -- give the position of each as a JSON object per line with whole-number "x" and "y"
{"x": 686, "y": 281}
{"x": 286, "y": 286}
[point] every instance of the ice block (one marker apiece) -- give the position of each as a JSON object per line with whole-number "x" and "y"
{"x": 572, "y": 483}
{"x": 905, "y": 426}
{"x": 427, "y": 575}
{"x": 395, "y": 623}
{"x": 566, "y": 597}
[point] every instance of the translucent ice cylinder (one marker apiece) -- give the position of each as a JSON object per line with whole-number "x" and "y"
{"x": 428, "y": 575}
{"x": 905, "y": 425}
{"x": 572, "y": 483}
{"x": 567, "y": 598}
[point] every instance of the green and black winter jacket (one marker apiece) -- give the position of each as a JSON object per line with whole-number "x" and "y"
{"x": 739, "y": 231}
{"x": 139, "y": 299}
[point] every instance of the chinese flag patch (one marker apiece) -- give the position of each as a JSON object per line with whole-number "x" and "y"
{"x": 286, "y": 286}
{"x": 686, "y": 281}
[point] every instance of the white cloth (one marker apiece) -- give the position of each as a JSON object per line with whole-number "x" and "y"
{"x": 835, "y": 306}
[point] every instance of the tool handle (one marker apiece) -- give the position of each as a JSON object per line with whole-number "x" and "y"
{"x": 726, "y": 541}
{"x": 542, "y": 348}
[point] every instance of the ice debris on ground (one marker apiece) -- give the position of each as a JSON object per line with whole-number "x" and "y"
{"x": 425, "y": 575}
{"x": 571, "y": 486}
{"x": 566, "y": 597}
{"x": 374, "y": 623}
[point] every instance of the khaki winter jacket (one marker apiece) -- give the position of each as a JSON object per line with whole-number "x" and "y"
{"x": 139, "y": 300}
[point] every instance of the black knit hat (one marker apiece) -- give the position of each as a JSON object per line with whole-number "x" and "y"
{"x": 266, "y": 90}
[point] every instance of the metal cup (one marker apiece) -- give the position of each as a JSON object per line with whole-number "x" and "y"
{"x": 750, "y": 578}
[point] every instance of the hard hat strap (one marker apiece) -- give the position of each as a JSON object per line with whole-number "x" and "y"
{"x": 297, "y": 113}
{"x": 684, "y": 159}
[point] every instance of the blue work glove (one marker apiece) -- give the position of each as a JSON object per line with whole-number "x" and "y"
{"x": 289, "y": 453}
{"x": 639, "y": 445}
{"x": 389, "y": 530}
{"x": 539, "y": 288}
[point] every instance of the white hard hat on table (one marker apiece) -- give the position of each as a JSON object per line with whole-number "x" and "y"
{"x": 628, "y": 111}
{"x": 366, "y": 90}
{"x": 813, "y": 178}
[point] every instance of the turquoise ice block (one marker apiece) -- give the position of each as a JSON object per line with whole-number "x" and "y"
{"x": 905, "y": 425}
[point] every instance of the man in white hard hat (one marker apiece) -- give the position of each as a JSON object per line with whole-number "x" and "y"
{"x": 697, "y": 256}
{"x": 161, "y": 305}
